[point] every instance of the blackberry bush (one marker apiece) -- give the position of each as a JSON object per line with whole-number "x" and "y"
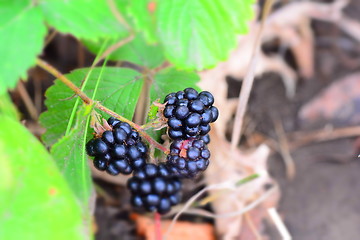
{"x": 118, "y": 150}
{"x": 188, "y": 158}
{"x": 189, "y": 113}
{"x": 154, "y": 188}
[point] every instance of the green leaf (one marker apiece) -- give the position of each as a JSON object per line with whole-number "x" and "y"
{"x": 166, "y": 81}
{"x": 22, "y": 34}
{"x": 119, "y": 90}
{"x": 171, "y": 80}
{"x": 35, "y": 201}
{"x": 84, "y": 19}
{"x": 198, "y": 34}
{"x": 136, "y": 51}
{"x": 7, "y": 108}
{"x": 69, "y": 154}
{"x": 144, "y": 18}
{"x": 239, "y": 11}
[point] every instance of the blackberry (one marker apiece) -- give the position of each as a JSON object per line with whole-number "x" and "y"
{"x": 153, "y": 188}
{"x": 189, "y": 113}
{"x": 188, "y": 158}
{"x": 119, "y": 150}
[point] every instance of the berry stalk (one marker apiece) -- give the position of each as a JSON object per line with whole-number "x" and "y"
{"x": 47, "y": 67}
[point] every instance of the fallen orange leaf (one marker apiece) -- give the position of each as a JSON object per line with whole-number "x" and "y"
{"x": 145, "y": 227}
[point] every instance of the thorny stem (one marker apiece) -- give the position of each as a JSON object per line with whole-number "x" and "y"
{"x": 47, "y": 67}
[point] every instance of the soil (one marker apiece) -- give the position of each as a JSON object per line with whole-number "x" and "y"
{"x": 321, "y": 202}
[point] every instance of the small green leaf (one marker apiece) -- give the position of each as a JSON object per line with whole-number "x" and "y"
{"x": 69, "y": 154}
{"x": 171, "y": 80}
{"x": 136, "y": 51}
{"x": 35, "y": 201}
{"x": 198, "y": 34}
{"x": 119, "y": 90}
{"x": 84, "y": 19}
{"x": 144, "y": 18}
{"x": 22, "y": 34}
{"x": 153, "y": 109}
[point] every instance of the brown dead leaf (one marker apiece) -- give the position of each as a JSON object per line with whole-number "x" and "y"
{"x": 234, "y": 165}
{"x": 338, "y": 103}
{"x": 291, "y": 25}
{"x": 145, "y": 227}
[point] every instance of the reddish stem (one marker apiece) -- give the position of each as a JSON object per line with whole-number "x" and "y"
{"x": 158, "y": 235}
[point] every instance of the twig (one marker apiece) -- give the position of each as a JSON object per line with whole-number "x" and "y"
{"x": 47, "y": 67}
{"x": 204, "y": 213}
{"x": 135, "y": 126}
{"x": 27, "y": 101}
{"x": 122, "y": 42}
{"x": 133, "y": 66}
{"x": 285, "y": 150}
{"x": 162, "y": 66}
{"x": 252, "y": 226}
{"x": 248, "y": 80}
{"x": 113, "y": 48}
{"x": 304, "y": 138}
{"x": 50, "y": 37}
{"x": 274, "y": 215}
{"x": 213, "y": 197}
{"x": 224, "y": 185}
{"x": 80, "y": 55}
{"x": 144, "y": 99}
{"x": 228, "y": 185}
{"x": 117, "y": 14}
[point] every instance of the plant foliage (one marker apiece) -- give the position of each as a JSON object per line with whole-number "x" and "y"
{"x": 166, "y": 41}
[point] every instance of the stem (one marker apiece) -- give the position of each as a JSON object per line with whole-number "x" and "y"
{"x": 47, "y": 67}
{"x": 139, "y": 128}
{"x": 158, "y": 235}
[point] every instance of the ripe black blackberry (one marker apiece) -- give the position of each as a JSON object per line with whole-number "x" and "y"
{"x": 187, "y": 158}
{"x": 119, "y": 150}
{"x": 153, "y": 188}
{"x": 189, "y": 113}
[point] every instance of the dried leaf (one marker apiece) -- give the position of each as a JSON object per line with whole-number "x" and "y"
{"x": 234, "y": 165}
{"x": 182, "y": 230}
{"x": 338, "y": 103}
{"x": 289, "y": 24}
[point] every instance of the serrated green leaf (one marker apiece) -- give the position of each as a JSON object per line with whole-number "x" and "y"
{"x": 22, "y": 34}
{"x": 144, "y": 18}
{"x": 239, "y": 11}
{"x": 35, "y": 201}
{"x": 198, "y": 34}
{"x": 171, "y": 80}
{"x": 119, "y": 90}
{"x": 136, "y": 51}
{"x": 84, "y": 19}
{"x": 69, "y": 154}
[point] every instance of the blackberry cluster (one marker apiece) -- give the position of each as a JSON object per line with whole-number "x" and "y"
{"x": 187, "y": 158}
{"x": 154, "y": 188}
{"x": 119, "y": 150}
{"x": 189, "y": 113}
{"x": 157, "y": 187}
